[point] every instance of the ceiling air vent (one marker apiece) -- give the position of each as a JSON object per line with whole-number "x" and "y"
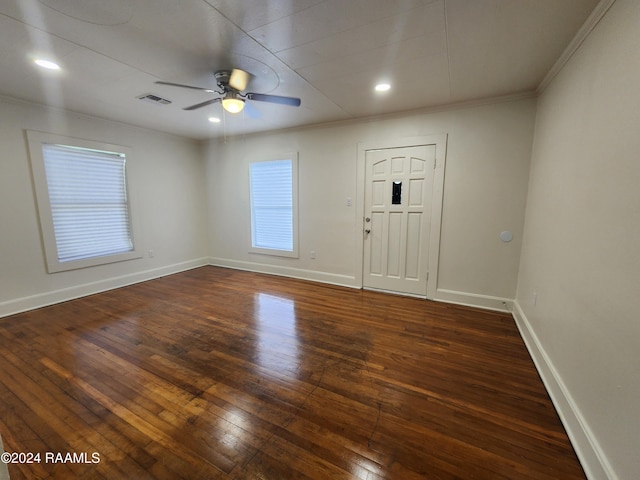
{"x": 151, "y": 98}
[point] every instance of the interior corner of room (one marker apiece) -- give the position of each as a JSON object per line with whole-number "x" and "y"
{"x": 535, "y": 210}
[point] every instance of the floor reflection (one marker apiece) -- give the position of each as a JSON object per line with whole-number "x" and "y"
{"x": 278, "y": 345}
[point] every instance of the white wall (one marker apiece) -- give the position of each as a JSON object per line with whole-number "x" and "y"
{"x": 485, "y": 188}
{"x": 581, "y": 251}
{"x": 168, "y": 183}
{"x": 486, "y": 176}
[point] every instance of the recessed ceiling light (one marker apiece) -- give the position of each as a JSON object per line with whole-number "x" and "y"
{"x": 214, "y": 119}
{"x": 47, "y": 64}
{"x": 382, "y": 87}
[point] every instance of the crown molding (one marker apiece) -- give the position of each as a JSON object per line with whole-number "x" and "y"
{"x": 444, "y": 107}
{"x": 592, "y": 21}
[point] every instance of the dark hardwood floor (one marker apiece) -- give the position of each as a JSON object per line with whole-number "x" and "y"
{"x": 215, "y": 373}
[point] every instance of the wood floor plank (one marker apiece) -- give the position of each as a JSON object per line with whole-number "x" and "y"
{"x": 220, "y": 374}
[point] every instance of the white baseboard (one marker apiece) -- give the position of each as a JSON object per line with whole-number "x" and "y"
{"x": 591, "y": 456}
{"x": 12, "y": 307}
{"x": 448, "y": 296}
{"x": 299, "y": 273}
{"x": 474, "y": 300}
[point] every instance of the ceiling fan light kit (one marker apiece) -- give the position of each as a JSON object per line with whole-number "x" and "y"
{"x": 232, "y": 84}
{"x": 232, "y": 104}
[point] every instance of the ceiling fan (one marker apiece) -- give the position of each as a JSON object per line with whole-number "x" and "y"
{"x": 232, "y": 84}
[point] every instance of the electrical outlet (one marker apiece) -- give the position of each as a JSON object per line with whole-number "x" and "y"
{"x": 349, "y": 202}
{"x": 150, "y": 254}
{"x": 313, "y": 254}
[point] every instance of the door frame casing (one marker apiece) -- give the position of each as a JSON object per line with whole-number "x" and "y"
{"x": 437, "y": 194}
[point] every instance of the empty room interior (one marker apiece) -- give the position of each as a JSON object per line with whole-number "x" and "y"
{"x": 362, "y": 239}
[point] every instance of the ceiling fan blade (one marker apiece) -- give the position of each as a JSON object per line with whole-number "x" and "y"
{"x": 185, "y": 86}
{"x": 239, "y": 79}
{"x": 261, "y": 97}
{"x": 203, "y": 104}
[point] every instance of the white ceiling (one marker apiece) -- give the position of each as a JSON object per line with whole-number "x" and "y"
{"x": 329, "y": 53}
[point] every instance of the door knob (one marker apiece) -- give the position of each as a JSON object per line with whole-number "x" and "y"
{"x": 367, "y": 219}
{"x": 367, "y": 231}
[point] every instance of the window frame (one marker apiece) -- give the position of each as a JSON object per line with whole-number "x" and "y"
{"x": 294, "y": 253}
{"x": 36, "y": 140}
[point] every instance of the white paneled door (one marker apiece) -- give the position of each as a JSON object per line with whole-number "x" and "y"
{"x": 397, "y": 210}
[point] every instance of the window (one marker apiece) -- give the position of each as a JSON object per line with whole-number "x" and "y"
{"x": 273, "y": 188}
{"x": 84, "y": 207}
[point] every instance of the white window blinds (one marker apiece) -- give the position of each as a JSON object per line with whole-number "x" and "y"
{"x": 88, "y": 199}
{"x": 272, "y": 205}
